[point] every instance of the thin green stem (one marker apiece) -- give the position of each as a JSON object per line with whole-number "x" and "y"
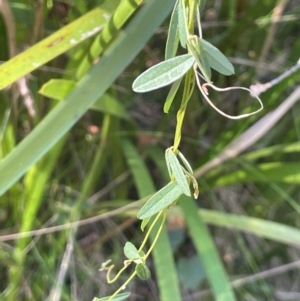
{"x": 117, "y": 276}
{"x": 149, "y": 231}
{"x": 157, "y": 234}
{"x": 187, "y": 93}
{"x": 122, "y": 286}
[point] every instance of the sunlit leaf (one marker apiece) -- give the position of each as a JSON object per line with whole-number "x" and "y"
{"x": 163, "y": 73}
{"x": 142, "y": 271}
{"x": 130, "y": 250}
{"x": 177, "y": 172}
{"x": 217, "y": 60}
{"x": 162, "y": 199}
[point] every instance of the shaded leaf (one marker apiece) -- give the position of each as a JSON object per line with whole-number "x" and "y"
{"x": 217, "y": 60}
{"x": 190, "y": 272}
{"x": 145, "y": 223}
{"x": 171, "y": 95}
{"x": 142, "y": 271}
{"x": 163, "y": 73}
{"x": 162, "y": 199}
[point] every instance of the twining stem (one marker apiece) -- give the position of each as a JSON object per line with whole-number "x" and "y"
{"x": 157, "y": 234}
{"x": 122, "y": 286}
{"x": 144, "y": 257}
{"x": 117, "y": 276}
{"x": 189, "y": 85}
{"x": 149, "y": 231}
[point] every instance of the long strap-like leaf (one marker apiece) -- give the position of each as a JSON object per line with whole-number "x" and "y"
{"x": 97, "y": 81}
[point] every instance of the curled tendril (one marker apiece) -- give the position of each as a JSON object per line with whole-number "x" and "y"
{"x": 204, "y": 92}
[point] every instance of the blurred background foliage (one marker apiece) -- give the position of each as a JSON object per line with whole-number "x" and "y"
{"x": 85, "y": 154}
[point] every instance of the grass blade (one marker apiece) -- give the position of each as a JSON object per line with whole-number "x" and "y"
{"x": 207, "y": 251}
{"x": 65, "y": 115}
{"x": 51, "y": 47}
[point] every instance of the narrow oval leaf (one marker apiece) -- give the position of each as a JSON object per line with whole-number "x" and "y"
{"x": 119, "y": 297}
{"x": 142, "y": 271}
{"x": 163, "y": 73}
{"x": 145, "y": 223}
{"x": 130, "y": 251}
{"x": 185, "y": 162}
{"x": 173, "y": 34}
{"x": 162, "y": 199}
{"x": 217, "y": 60}
{"x": 171, "y": 95}
{"x": 177, "y": 172}
{"x": 182, "y": 26}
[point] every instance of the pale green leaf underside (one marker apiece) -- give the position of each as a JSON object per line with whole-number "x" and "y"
{"x": 182, "y": 25}
{"x": 130, "y": 251}
{"x": 217, "y": 60}
{"x": 163, "y": 73}
{"x": 177, "y": 172}
{"x": 162, "y": 199}
{"x": 119, "y": 297}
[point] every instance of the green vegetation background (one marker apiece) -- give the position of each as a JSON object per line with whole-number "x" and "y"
{"x": 84, "y": 148}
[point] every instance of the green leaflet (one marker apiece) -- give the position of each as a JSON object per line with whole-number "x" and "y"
{"x": 130, "y": 251}
{"x": 185, "y": 162}
{"x": 142, "y": 271}
{"x": 163, "y": 73}
{"x": 173, "y": 34}
{"x": 162, "y": 199}
{"x": 217, "y": 60}
{"x": 177, "y": 172}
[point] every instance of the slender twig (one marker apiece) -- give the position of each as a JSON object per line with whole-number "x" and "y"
{"x": 262, "y": 275}
{"x": 38, "y": 21}
{"x": 76, "y": 224}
